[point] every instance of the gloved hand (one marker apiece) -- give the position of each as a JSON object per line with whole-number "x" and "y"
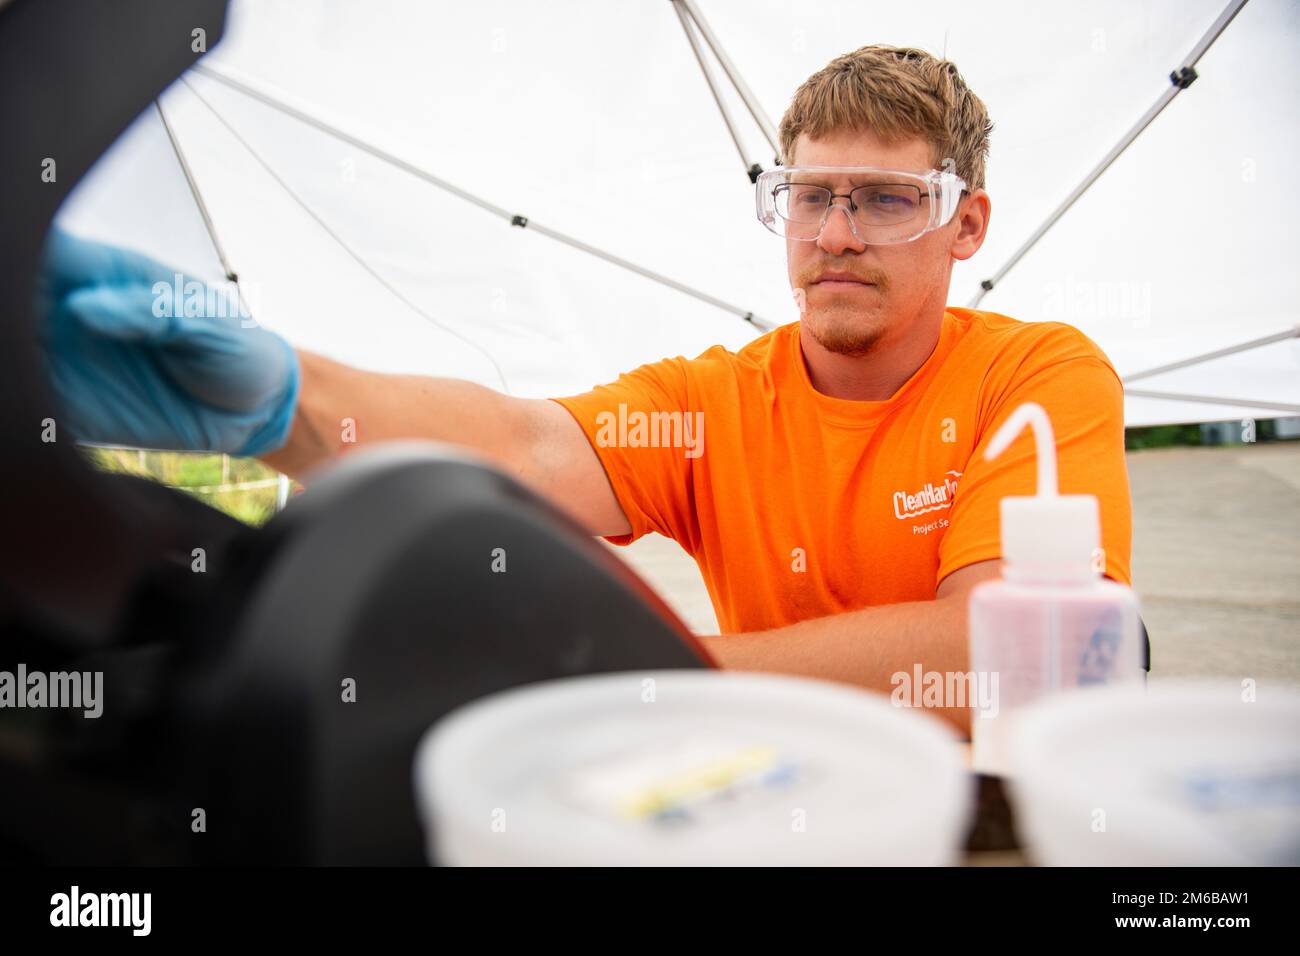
{"x": 132, "y": 368}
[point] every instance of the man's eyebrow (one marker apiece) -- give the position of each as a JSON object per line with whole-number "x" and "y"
{"x": 869, "y": 179}
{"x": 855, "y": 179}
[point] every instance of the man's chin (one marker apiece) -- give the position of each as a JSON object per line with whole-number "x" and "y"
{"x": 847, "y": 338}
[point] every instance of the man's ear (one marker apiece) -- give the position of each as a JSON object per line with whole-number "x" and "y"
{"x": 972, "y": 217}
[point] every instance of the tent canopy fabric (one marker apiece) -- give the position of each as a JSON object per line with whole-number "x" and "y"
{"x": 594, "y": 119}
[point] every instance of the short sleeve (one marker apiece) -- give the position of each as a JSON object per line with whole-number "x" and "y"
{"x": 646, "y": 434}
{"x": 1084, "y": 399}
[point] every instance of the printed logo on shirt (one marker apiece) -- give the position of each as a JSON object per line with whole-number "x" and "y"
{"x": 930, "y": 498}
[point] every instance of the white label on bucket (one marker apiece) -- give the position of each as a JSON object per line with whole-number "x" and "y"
{"x": 681, "y": 782}
{"x": 1256, "y": 807}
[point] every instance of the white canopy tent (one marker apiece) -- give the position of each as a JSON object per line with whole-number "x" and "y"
{"x": 594, "y": 119}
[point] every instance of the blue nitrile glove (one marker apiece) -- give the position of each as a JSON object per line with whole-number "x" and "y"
{"x": 132, "y": 368}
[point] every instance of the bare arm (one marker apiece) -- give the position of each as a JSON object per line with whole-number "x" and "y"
{"x": 534, "y": 440}
{"x": 869, "y": 647}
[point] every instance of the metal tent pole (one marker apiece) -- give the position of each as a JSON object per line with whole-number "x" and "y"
{"x": 1218, "y": 353}
{"x": 1212, "y": 400}
{"x": 231, "y": 275}
{"x": 356, "y": 257}
{"x": 513, "y": 218}
{"x": 1180, "y": 79}
{"x": 751, "y": 169}
{"x": 746, "y": 96}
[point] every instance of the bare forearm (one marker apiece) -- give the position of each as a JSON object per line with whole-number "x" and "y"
{"x": 340, "y": 407}
{"x": 866, "y": 648}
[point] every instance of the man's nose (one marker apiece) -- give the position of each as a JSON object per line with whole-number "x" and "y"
{"x": 837, "y": 233}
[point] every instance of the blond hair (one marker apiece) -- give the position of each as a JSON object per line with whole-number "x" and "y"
{"x": 897, "y": 93}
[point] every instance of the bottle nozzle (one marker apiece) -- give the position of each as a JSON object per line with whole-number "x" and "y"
{"x": 1047, "y": 534}
{"x": 1034, "y": 415}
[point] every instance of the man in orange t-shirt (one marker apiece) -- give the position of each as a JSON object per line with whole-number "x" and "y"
{"x": 829, "y": 477}
{"x": 797, "y": 504}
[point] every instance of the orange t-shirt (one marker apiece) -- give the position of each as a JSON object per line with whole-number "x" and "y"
{"x": 796, "y": 505}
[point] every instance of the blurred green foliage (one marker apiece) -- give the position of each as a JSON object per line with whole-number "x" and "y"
{"x": 207, "y": 477}
{"x": 1161, "y": 436}
{"x": 1164, "y": 436}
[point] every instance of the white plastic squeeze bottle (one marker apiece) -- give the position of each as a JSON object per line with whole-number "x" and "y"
{"x": 1052, "y": 621}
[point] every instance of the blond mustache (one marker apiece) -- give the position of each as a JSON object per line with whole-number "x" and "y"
{"x": 809, "y": 276}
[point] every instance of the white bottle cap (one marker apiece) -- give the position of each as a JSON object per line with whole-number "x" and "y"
{"x": 1048, "y": 535}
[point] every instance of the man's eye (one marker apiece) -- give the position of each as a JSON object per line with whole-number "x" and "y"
{"x": 889, "y": 200}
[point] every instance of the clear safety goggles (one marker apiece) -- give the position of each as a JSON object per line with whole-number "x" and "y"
{"x": 883, "y": 206}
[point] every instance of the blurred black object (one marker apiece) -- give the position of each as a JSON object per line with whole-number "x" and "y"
{"x": 224, "y": 691}
{"x": 993, "y": 828}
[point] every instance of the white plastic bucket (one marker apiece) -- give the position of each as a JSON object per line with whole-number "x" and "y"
{"x": 691, "y": 768}
{"x": 1185, "y": 774}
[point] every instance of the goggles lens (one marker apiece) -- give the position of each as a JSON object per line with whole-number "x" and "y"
{"x": 889, "y": 207}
